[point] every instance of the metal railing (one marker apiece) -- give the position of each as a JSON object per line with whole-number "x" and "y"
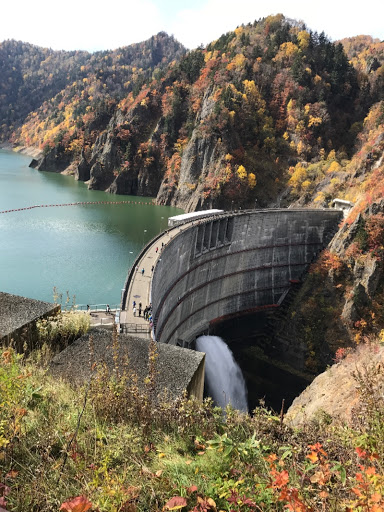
{"x": 91, "y": 307}
{"x": 110, "y": 320}
{"x": 134, "y": 328}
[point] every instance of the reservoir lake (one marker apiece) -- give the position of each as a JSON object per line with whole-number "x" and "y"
{"x": 83, "y": 250}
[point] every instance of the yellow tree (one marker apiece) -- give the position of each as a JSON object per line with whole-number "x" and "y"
{"x": 252, "y": 180}
{"x": 303, "y": 38}
{"x": 241, "y": 172}
{"x": 286, "y": 53}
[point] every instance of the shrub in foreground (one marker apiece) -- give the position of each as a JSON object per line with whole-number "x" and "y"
{"x": 112, "y": 446}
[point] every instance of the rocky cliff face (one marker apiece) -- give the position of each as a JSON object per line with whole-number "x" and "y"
{"x": 54, "y": 161}
{"x": 366, "y": 270}
{"x": 83, "y": 170}
{"x": 105, "y": 158}
{"x": 145, "y": 173}
{"x": 335, "y": 395}
{"x": 107, "y": 168}
{"x": 201, "y": 156}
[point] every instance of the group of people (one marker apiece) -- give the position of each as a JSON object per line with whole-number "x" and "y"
{"x": 138, "y": 308}
{"x": 161, "y": 248}
{"x": 147, "y": 312}
{"x": 107, "y": 308}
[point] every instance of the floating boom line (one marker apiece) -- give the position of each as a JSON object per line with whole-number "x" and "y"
{"x": 82, "y": 203}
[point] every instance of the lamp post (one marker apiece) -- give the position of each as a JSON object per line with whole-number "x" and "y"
{"x": 143, "y": 237}
{"x": 161, "y": 224}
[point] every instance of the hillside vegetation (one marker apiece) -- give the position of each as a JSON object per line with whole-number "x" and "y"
{"x": 110, "y": 446}
{"x": 60, "y": 87}
{"x": 217, "y": 126}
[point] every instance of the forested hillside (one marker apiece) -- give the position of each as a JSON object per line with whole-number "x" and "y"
{"x": 59, "y": 84}
{"x": 367, "y": 56}
{"x": 239, "y": 121}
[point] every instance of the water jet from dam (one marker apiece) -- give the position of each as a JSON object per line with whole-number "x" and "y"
{"x": 224, "y": 379}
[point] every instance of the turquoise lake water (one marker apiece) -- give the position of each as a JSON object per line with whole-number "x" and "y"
{"x": 85, "y": 250}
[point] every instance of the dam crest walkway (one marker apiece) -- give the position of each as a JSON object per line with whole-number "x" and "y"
{"x": 138, "y": 287}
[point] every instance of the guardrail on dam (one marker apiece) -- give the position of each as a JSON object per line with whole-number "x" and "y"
{"x": 232, "y": 264}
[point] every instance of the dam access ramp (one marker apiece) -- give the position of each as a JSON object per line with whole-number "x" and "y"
{"x": 230, "y": 263}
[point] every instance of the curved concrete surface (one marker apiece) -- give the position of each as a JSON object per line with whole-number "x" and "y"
{"x": 223, "y": 265}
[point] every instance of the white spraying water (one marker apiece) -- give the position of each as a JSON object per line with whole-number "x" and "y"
{"x": 224, "y": 380}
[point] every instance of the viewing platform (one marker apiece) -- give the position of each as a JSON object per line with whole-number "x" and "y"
{"x": 100, "y": 314}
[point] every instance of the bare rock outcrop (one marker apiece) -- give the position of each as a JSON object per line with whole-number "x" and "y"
{"x": 366, "y": 272}
{"x": 102, "y": 171}
{"x": 336, "y": 393}
{"x": 124, "y": 183}
{"x": 83, "y": 170}
{"x": 202, "y": 155}
{"x": 54, "y": 161}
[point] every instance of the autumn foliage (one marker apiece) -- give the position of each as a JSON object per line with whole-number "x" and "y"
{"x": 271, "y": 94}
{"x": 115, "y": 448}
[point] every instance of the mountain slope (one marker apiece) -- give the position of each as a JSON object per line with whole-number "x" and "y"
{"x": 219, "y": 126}
{"x": 39, "y": 82}
{"x": 249, "y": 119}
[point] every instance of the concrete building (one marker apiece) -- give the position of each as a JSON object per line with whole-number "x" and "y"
{"x": 342, "y": 204}
{"x": 177, "y": 220}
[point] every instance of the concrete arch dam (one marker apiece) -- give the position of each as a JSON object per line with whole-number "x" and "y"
{"x": 233, "y": 264}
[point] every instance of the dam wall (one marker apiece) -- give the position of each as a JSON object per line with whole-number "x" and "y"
{"x": 232, "y": 264}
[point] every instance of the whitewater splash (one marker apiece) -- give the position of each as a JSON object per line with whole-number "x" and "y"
{"x": 224, "y": 380}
